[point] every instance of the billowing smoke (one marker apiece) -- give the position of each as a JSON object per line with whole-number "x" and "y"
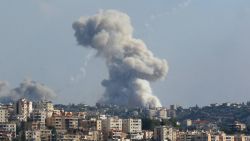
{"x": 4, "y": 88}
{"x": 28, "y": 89}
{"x": 130, "y": 63}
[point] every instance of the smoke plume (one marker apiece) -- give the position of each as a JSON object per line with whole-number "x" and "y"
{"x": 28, "y": 89}
{"x": 132, "y": 66}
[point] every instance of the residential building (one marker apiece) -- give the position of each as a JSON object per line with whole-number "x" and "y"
{"x": 71, "y": 122}
{"x": 8, "y": 127}
{"x": 131, "y": 125}
{"x": 3, "y": 115}
{"x": 23, "y": 107}
{"x": 45, "y": 135}
{"x": 164, "y": 133}
{"x": 32, "y": 135}
{"x": 112, "y": 127}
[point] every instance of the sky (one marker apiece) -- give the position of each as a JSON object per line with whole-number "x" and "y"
{"x": 206, "y": 44}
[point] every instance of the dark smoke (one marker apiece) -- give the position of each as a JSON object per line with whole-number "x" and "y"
{"x": 28, "y": 89}
{"x": 130, "y": 63}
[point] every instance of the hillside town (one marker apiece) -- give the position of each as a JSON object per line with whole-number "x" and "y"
{"x": 44, "y": 121}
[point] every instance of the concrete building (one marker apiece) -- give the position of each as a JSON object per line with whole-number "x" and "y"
{"x": 3, "y": 115}
{"x": 8, "y": 127}
{"x": 147, "y": 135}
{"x": 58, "y": 122}
{"x": 90, "y": 124}
{"x": 32, "y": 135}
{"x": 114, "y": 124}
{"x": 38, "y": 115}
{"x": 23, "y": 107}
{"x": 71, "y": 122}
{"x": 99, "y": 125}
{"x": 46, "y": 106}
{"x": 164, "y": 133}
{"x": 157, "y": 113}
{"x": 131, "y": 125}
{"x": 45, "y": 135}
{"x": 112, "y": 127}
{"x": 6, "y": 136}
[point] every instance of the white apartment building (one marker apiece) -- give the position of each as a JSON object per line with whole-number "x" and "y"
{"x": 23, "y": 107}
{"x": 131, "y": 125}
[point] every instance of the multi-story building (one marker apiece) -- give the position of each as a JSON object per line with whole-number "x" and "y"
{"x": 98, "y": 125}
{"x": 113, "y": 123}
{"x": 147, "y": 135}
{"x": 131, "y": 125}
{"x": 46, "y": 135}
{"x": 58, "y": 121}
{"x": 3, "y": 115}
{"x": 32, "y": 135}
{"x": 71, "y": 122}
{"x": 38, "y": 115}
{"x": 38, "y": 119}
{"x": 8, "y": 127}
{"x": 6, "y": 136}
{"x": 46, "y": 106}
{"x": 111, "y": 127}
{"x": 23, "y": 108}
{"x": 164, "y": 133}
{"x": 157, "y": 113}
{"x": 172, "y": 111}
{"x": 10, "y": 114}
{"x": 91, "y": 124}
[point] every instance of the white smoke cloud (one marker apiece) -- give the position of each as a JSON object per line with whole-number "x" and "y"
{"x": 131, "y": 65}
{"x": 28, "y": 89}
{"x": 82, "y": 71}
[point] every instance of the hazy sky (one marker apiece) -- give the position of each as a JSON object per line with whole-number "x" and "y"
{"x": 206, "y": 43}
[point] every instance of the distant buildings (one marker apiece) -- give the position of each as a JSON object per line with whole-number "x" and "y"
{"x": 161, "y": 112}
{"x": 40, "y": 121}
